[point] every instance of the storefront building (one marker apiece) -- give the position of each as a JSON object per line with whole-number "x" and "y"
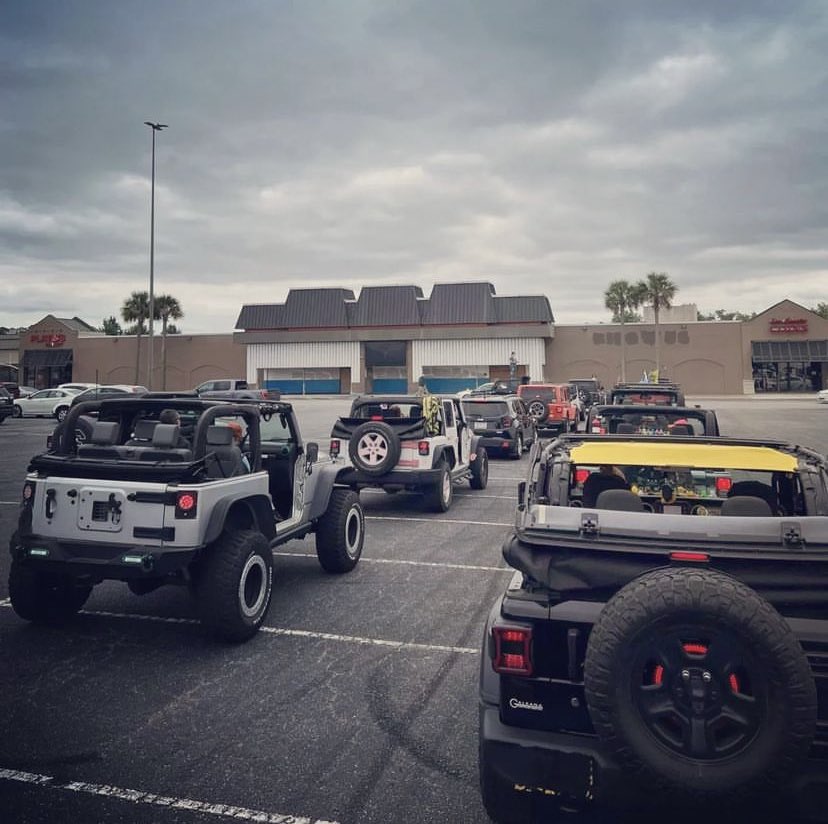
{"x": 329, "y": 341}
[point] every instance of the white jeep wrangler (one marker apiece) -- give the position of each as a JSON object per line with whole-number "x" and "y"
{"x": 405, "y": 442}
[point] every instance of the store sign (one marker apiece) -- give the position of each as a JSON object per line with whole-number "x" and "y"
{"x": 49, "y": 338}
{"x": 789, "y": 325}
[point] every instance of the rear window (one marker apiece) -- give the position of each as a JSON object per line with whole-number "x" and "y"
{"x": 651, "y": 398}
{"x": 641, "y": 423}
{"x": 485, "y": 409}
{"x": 546, "y": 394}
{"x": 383, "y": 410}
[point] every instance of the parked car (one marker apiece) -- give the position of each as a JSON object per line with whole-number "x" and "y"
{"x": 502, "y": 422}
{"x": 76, "y": 387}
{"x": 25, "y": 391}
{"x": 822, "y": 397}
{"x": 642, "y": 419}
{"x": 47, "y": 403}
{"x": 590, "y": 389}
{"x": 662, "y": 644}
{"x": 6, "y": 404}
{"x": 549, "y": 404}
{"x": 132, "y": 505}
{"x": 11, "y": 387}
{"x": 405, "y": 442}
{"x": 97, "y": 393}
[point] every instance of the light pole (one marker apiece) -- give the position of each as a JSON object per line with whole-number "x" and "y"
{"x": 156, "y": 127}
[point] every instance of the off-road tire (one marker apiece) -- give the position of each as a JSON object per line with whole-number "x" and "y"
{"x": 235, "y": 584}
{"x": 540, "y": 407}
{"x": 340, "y": 533}
{"x": 518, "y": 450}
{"x": 702, "y": 604}
{"x": 374, "y": 435}
{"x": 480, "y": 469}
{"x": 44, "y": 598}
{"x": 441, "y": 494}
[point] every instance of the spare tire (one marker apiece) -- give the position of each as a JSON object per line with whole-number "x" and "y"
{"x": 538, "y": 409}
{"x": 374, "y": 448}
{"x": 698, "y": 687}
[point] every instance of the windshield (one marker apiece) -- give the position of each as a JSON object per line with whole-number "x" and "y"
{"x": 645, "y": 397}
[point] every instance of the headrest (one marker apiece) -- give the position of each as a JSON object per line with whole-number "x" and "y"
{"x": 144, "y": 429}
{"x": 104, "y": 433}
{"x": 746, "y": 506}
{"x": 622, "y": 500}
{"x": 681, "y": 429}
{"x": 219, "y": 435}
{"x": 165, "y": 435}
{"x": 625, "y": 429}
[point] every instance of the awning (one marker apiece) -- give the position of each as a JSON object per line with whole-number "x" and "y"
{"x": 47, "y": 357}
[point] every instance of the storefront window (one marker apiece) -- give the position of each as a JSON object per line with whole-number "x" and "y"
{"x": 787, "y": 376}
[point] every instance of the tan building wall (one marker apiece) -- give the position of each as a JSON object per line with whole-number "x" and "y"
{"x": 706, "y": 358}
{"x": 191, "y": 359}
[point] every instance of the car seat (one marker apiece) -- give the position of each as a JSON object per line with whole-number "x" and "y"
{"x": 621, "y": 500}
{"x": 756, "y": 489}
{"x": 102, "y": 441}
{"x": 142, "y": 433}
{"x": 682, "y": 429}
{"x": 746, "y": 506}
{"x": 625, "y": 428}
{"x": 165, "y": 445}
{"x": 223, "y": 458}
{"x": 597, "y": 483}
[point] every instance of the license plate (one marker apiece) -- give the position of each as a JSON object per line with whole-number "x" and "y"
{"x": 480, "y": 425}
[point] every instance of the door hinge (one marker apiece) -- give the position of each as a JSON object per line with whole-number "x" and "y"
{"x": 792, "y": 534}
{"x": 589, "y": 524}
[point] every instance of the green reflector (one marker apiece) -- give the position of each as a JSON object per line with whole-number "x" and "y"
{"x": 39, "y": 553}
{"x": 132, "y": 559}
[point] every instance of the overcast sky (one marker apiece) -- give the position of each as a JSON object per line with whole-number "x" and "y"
{"x": 548, "y": 147}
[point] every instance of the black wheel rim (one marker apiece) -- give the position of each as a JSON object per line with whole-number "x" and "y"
{"x": 699, "y": 691}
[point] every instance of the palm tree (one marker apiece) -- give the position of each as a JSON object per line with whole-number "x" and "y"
{"x": 168, "y": 308}
{"x": 622, "y": 298}
{"x": 136, "y": 310}
{"x": 658, "y": 291}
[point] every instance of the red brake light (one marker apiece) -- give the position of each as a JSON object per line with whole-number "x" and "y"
{"x": 581, "y": 475}
{"x": 186, "y": 504}
{"x": 423, "y": 447}
{"x": 376, "y": 418}
{"x": 334, "y": 450}
{"x": 723, "y": 485}
{"x": 512, "y": 650}
{"x": 692, "y": 557}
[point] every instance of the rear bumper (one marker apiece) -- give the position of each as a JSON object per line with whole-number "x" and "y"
{"x": 101, "y": 561}
{"x": 496, "y": 443}
{"x": 399, "y": 478}
{"x": 548, "y": 428}
{"x": 575, "y": 767}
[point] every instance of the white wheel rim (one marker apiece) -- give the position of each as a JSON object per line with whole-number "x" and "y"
{"x": 253, "y": 562}
{"x": 447, "y": 487}
{"x": 353, "y": 531}
{"x": 372, "y": 448}
{"x": 536, "y": 409}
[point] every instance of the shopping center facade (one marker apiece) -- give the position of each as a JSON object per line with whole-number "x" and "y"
{"x": 387, "y": 338}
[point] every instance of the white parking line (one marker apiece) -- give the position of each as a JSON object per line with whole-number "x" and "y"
{"x": 364, "y": 560}
{"x": 151, "y": 799}
{"x": 499, "y": 524}
{"x": 297, "y": 633}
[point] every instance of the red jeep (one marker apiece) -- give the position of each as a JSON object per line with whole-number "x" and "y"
{"x": 551, "y": 407}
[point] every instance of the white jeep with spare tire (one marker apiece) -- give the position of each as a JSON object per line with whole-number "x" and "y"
{"x": 200, "y": 501}
{"x": 406, "y": 442}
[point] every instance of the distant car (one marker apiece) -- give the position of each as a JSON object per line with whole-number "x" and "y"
{"x": 647, "y": 419}
{"x": 822, "y": 397}
{"x": 97, "y": 393}
{"x": 221, "y": 385}
{"x": 662, "y": 393}
{"x": 25, "y": 391}
{"x": 46, "y": 403}
{"x": 12, "y": 388}
{"x": 503, "y": 423}
{"x": 549, "y": 404}
{"x": 76, "y": 387}
{"x": 6, "y": 404}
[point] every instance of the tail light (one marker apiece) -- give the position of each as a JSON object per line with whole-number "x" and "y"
{"x": 375, "y": 418}
{"x": 335, "y": 445}
{"x": 690, "y": 557}
{"x": 423, "y": 448}
{"x": 581, "y": 475}
{"x": 186, "y": 504}
{"x": 512, "y": 650}
{"x": 505, "y": 422}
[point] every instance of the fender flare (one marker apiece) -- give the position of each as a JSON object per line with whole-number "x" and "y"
{"x": 324, "y": 487}
{"x": 261, "y": 512}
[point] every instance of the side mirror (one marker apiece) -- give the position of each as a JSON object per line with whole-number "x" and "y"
{"x": 312, "y": 452}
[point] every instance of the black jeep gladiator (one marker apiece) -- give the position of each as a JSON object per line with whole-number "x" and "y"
{"x": 663, "y": 645}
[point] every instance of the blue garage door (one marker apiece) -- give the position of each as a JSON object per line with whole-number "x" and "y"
{"x": 303, "y": 381}
{"x": 390, "y": 386}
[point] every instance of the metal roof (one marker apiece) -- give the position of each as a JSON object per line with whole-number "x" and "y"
{"x": 383, "y": 306}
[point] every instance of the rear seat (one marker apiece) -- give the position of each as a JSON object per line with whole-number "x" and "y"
{"x": 142, "y": 433}
{"x": 164, "y": 438}
{"x": 102, "y": 442}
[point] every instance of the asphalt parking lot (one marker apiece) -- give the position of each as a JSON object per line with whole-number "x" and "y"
{"x": 356, "y": 704}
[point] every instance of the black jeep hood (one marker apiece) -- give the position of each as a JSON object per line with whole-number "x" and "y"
{"x": 785, "y": 578}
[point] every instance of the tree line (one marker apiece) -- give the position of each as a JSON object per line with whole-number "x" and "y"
{"x": 136, "y": 311}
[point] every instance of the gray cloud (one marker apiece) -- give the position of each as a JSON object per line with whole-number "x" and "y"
{"x": 547, "y": 147}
